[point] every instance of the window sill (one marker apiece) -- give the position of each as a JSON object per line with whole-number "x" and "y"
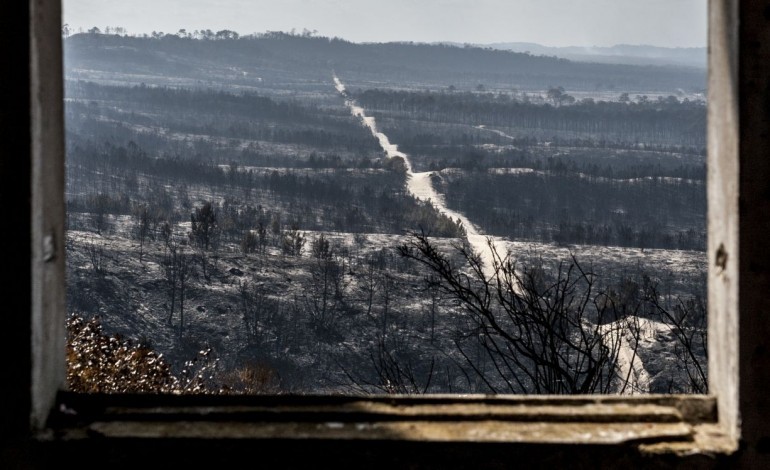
{"x": 651, "y": 425}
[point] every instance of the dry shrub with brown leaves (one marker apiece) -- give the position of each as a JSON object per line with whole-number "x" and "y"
{"x": 253, "y": 378}
{"x": 98, "y": 363}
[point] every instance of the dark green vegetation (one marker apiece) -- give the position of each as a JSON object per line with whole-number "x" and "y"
{"x": 222, "y": 198}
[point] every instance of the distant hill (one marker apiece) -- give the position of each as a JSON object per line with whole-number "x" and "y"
{"x": 280, "y": 56}
{"x": 618, "y": 54}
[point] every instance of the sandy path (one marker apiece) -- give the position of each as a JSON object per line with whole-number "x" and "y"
{"x": 420, "y": 185}
{"x": 629, "y": 363}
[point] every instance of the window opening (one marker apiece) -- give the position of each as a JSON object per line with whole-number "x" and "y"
{"x": 291, "y": 212}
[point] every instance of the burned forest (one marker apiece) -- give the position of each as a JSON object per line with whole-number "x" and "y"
{"x": 295, "y": 214}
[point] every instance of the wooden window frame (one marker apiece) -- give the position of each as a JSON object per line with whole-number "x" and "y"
{"x": 730, "y": 424}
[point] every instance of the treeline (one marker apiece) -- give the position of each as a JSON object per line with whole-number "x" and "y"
{"x": 246, "y": 104}
{"x": 329, "y": 199}
{"x": 569, "y": 208}
{"x": 314, "y": 160}
{"x": 100, "y": 111}
{"x": 599, "y": 163}
{"x": 663, "y": 121}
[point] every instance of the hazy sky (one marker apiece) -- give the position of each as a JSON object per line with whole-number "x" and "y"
{"x": 549, "y": 22}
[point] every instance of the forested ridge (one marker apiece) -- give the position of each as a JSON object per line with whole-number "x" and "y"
{"x": 268, "y": 53}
